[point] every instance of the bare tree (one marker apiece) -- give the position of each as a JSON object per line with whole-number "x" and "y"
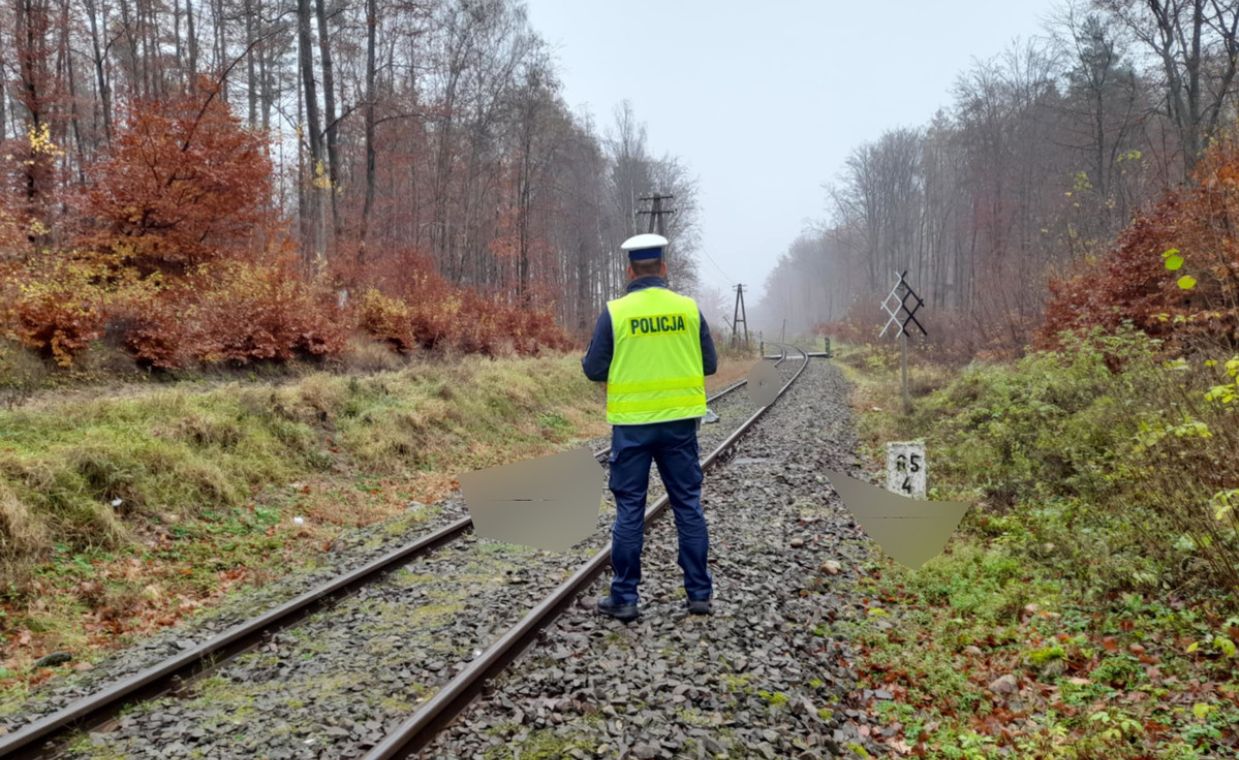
{"x": 312, "y": 216}
{"x": 372, "y": 23}
{"x": 465, "y": 156}
{"x": 1196, "y": 43}
{"x": 333, "y": 127}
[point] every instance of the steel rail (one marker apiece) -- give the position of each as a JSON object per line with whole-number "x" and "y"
{"x": 420, "y": 728}
{"x": 30, "y": 740}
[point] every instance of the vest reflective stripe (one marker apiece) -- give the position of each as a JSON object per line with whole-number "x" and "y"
{"x": 655, "y": 373}
{"x": 649, "y": 405}
{"x": 668, "y": 384}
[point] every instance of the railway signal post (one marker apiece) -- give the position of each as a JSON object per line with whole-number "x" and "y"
{"x": 896, "y": 304}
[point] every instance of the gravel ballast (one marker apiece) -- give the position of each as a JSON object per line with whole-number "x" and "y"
{"x": 761, "y": 677}
{"x": 351, "y": 550}
{"x": 331, "y": 685}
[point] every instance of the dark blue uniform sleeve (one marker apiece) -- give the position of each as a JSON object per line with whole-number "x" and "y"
{"x": 597, "y": 359}
{"x": 709, "y": 357}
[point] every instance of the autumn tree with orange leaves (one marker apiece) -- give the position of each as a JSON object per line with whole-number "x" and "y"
{"x": 145, "y": 183}
{"x": 185, "y": 184}
{"x": 1173, "y": 273}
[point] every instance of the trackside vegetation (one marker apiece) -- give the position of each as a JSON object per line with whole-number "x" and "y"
{"x": 123, "y": 513}
{"x": 1087, "y": 605}
{"x": 124, "y": 509}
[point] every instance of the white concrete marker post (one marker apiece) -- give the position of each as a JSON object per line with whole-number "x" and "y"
{"x": 906, "y": 468}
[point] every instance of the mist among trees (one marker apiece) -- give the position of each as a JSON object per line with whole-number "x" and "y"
{"x": 1042, "y": 157}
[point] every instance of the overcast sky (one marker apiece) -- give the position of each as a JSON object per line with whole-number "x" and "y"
{"x": 764, "y": 100}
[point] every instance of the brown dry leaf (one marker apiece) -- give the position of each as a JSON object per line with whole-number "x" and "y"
{"x": 41, "y": 676}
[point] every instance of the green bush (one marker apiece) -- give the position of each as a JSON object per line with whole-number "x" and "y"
{"x": 1052, "y": 424}
{"x": 1078, "y": 456}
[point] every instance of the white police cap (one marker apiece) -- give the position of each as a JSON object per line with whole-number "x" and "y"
{"x": 645, "y": 246}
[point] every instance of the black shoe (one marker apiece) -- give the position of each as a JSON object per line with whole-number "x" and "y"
{"x": 625, "y": 613}
{"x": 699, "y": 607}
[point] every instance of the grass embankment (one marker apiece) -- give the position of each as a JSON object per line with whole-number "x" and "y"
{"x": 120, "y": 515}
{"x": 1076, "y": 612}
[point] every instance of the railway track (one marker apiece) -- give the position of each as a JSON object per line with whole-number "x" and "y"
{"x": 416, "y": 732}
{"x": 43, "y": 737}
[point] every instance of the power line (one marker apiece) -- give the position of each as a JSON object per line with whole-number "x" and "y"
{"x": 657, "y": 211}
{"x": 710, "y": 258}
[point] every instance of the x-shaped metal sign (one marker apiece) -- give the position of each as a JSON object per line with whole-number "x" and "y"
{"x": 896, "y": 302}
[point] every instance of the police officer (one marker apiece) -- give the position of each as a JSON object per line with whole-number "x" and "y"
{"x": 653, "y": 349}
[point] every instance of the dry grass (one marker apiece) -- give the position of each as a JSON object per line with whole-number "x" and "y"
{"x": 182, "y": 451}
{"x": 210, "y": 474}
{"x": 732, "y": 367}
{"x": 364, "y": 354}
{"x": 21, "y": 373}
{"x": 20, "y": 534}
{"x": 119, "y": 515}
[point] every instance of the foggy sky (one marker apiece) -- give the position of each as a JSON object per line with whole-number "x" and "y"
{"x": 763, "y": 101}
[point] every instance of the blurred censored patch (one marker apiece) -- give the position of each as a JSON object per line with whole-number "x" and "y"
{"x": 550, "y": 502}
{"x": 763, "y": 383}
{"x": 909, "y": 530}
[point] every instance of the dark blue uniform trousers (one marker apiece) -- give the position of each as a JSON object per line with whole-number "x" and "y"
{"x": 673, "y": 447}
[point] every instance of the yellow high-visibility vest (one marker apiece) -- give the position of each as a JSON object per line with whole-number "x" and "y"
{"x": 656, "y": 373}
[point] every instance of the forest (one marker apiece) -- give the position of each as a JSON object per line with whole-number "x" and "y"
{"x": 275, "y": 273}
{"x": 1069, "y": 221}
{"x": 226, "y": 182}
{"x": 1040, "y": 192}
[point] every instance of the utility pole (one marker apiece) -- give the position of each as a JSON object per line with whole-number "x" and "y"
{"x": 656, "y": 212}
{"x": 739, "y": 318}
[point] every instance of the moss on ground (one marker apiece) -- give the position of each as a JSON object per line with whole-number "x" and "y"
{"x": 543, "y": 744}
